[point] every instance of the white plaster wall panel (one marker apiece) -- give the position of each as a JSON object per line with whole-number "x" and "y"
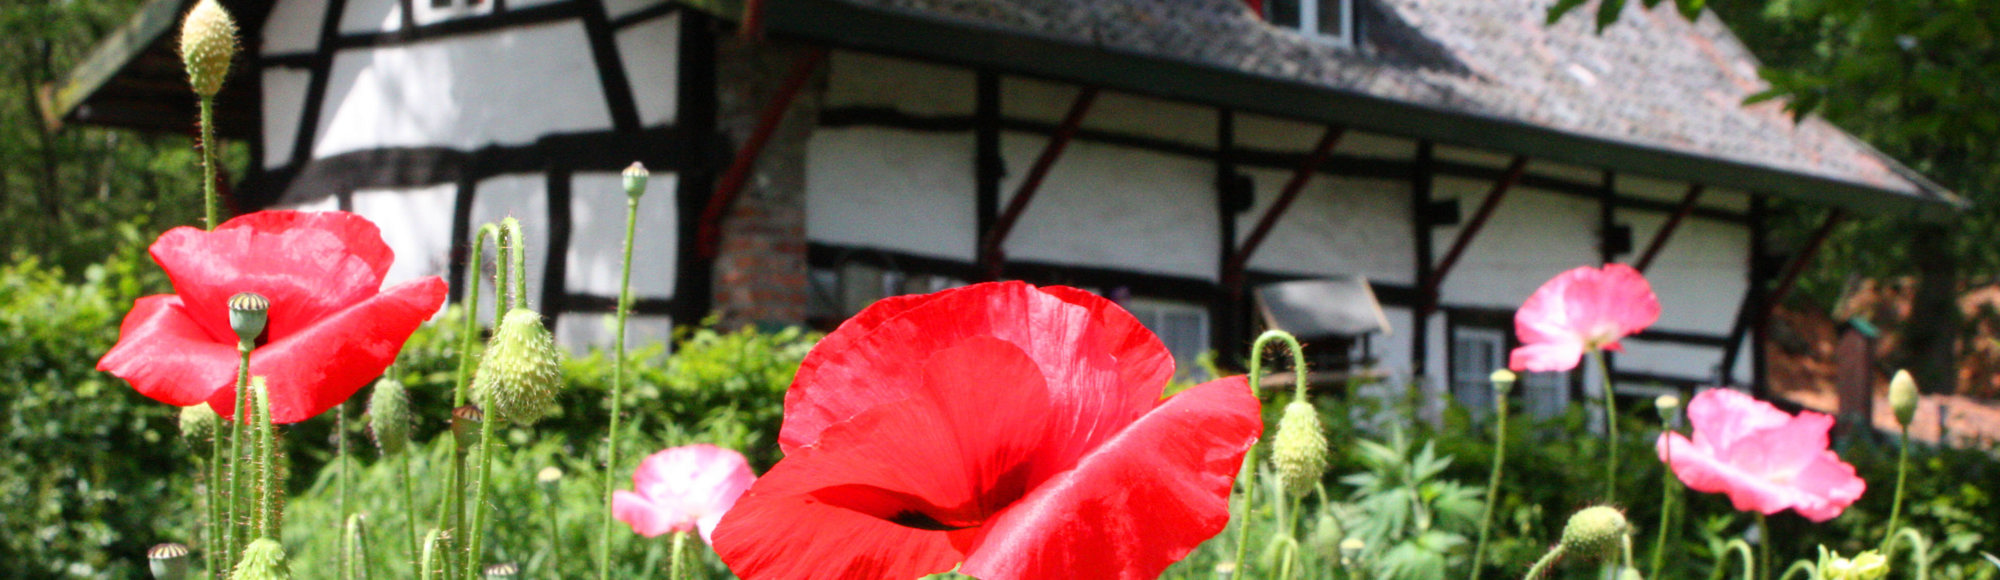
{"x": 597, "y": 236}
{"x": 293, "y": 27}
{"x": 892, "y": 190}
{"x": 617, "y": 8}
{"x": 1672, "y": 192}
{"x": 579, "y": 332}
{"x": 328, "y": 203}
{"x": 866, "y": 80}
{"x": 519, "y": 4}
{"x": 284, "y": 102}
{"x": 1701, "y": 274}
{"x": 1532, "y": 236}
{"x": 525, "y": 197}
{"x": 1130, "y": 114}
{"x": 1336, "y": 226}
{"x": 1274, "y": 134}
{"x": 1392, "y": 349}
{"x": 464, "y": 91}
{"x": 415, "y": 223}
{"x": 1669, "y": 359}
{"x": 1470, "y": 156}
{"x": 367, "y": 16}
{"x": 651, "y": 54}
{"x": 1115, "y": 207}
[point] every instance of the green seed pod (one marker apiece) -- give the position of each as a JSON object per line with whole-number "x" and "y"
{"x": 1630, "y": 573}
{"x": 1869, "y": 565}
{"x": 208, "y": 42}
{"x": 168, "y": 561}
{"x": 522, "y": 372}
{"x": 264, "y": 559}
{"x": 1503, "y": 381}
{"x": 501, "y": 571}
{"x": 389, "y": 415}
{"x": 1669, "y": 406}
{"x": 198, "y": 423}
{"x": 1903, "y": 398}
{"x": 635, "y": 180}
{"x": 1595, "y": 533}
{"x": 1300, "y": 446}
{"x": 247, "y": 312}
{"x": 549, "y": 478}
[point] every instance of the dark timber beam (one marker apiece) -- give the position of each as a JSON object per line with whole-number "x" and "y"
{"x": 1232, "y": 270}
{"x": 1667, "y": 229}
{"x": 731, "y": 184}
{"x": 1422, "y": 181}
{"x": 991, "y": 255}
{"x": 1798, "y": 264}
{"x": 1471, "y": 230}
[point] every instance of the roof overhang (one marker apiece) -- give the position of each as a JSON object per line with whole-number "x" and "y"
{"x": 851, "y": 26}
{"x": 134, "y": 79}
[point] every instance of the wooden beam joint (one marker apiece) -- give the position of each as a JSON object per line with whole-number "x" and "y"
{"x": 1233, "y": 270}
{"x": 1471, "y": 230}
{"x": 992, "y": 256}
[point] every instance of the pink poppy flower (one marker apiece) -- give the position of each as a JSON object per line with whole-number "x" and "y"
{"x": 1578, "y": 311}
{"x": 1764, "y": 459}
{"x": 1008, "y": 431}
{"x": 682, "y": 489}
{"x": 333, "y": 327}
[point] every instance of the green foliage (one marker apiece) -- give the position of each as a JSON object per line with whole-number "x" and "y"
{"x": 91, "y": 473}
{"x": 1414, "y": 523}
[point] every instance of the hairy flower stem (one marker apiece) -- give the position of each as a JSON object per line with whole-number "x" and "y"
{"x": 618, "y": 398}
{"x": 235, "y": 540}
{"x": 1902, "y": 472}
{"x": 1920, "y": 550}
{"x": 1667, "y": 506}
{"x": 451, "y": 511}
{"x": 267, "y": 449}
{"x": 1610, "y": 426}
{"x": 212, "y": 552}
{"x": 677, "y": 563}
{"x": 1806, "y": 567}
{"x": 340, "y": 457}
{"x": 513, "y": 247}
{"x": 1492, "y": 481}
{"x": 1741, "y": 548}
{"x": 1764, "y": 540}
{"x": 211, "y": 202}
{"x": 1542, "y": 565}
{"x": 409, "y": 505}
{"x": 555, "y": 538}
{"x": 356, "y": 551}
{"x": 1248, "y": 475}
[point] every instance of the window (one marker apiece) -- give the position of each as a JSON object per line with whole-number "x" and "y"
{"x": 1329, "y": 20}
{"x": 1182, "y": 326}
{"x": 433, "y": 11}
{"x": 838, "y": 293}
{"x": 1477, "y": 351}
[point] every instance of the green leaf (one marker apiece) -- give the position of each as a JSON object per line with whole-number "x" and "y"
{"x": 1608, "y": 12}
{"x": 1562, "y": 7}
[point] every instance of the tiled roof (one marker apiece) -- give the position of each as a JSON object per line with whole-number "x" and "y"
{"x": 1653, "y": 80}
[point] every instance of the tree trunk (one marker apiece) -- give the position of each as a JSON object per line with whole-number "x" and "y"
{"x": 1930, "y": 339}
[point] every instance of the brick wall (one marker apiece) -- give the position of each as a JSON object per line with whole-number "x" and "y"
{"x": 760, "y": 269}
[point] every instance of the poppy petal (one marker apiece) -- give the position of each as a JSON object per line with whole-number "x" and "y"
{"x": 646, "y": 519}
{"x": 309, "y": 264}
{"x": 1071, "y": 335}
{"x": 1167, "y": 475}
{"x": 167, "y": 356}
{"x": 1831, "y": 483}
{"x": 1555, "y": 356}
{"x": 796, "y": 537}
{"x": 1722, "y": 417}
{"x": 1616, "y": 295}
{"x": 320, "y": 366}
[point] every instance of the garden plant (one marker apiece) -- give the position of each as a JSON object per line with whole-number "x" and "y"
{"x": 1000, "y": 430}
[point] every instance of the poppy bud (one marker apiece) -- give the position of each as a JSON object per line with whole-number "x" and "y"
{"x": 502, "y": 571}
{"x": 389, "y": 415}
{"x": 169, "y": 561}
{"x": 1350, "y": 549}
{"x": 247, "y": 315}
{"x": 548, "y": 478}
{"x": 521, "y": 373}
{"x": 1630, "y": 573}
{"x": 1869, "y": 565}
{"x": 1903, "y": 398}
{"x": 635, "y": 180}
{"x": 1503, "y": 381}
{"x": 1669, "y": 406}
{"x": 465, "y": 426}
{"x": 264, "y": 559}
{"x": 208, "y": 42}
{"x": 1595, "y": 533}
{"x": 198, "y": 423}
{"x": 1300, "y": 449}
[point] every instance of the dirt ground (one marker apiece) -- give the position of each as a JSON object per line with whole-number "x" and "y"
{"x": 1802, "y": 364}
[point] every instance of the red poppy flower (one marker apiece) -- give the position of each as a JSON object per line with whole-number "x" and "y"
{"x": 332, "y": 327}
{"x": 1016, "y": 430}
{"x": 1578, "y": 311}
{"x": 1765, "y": 459}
